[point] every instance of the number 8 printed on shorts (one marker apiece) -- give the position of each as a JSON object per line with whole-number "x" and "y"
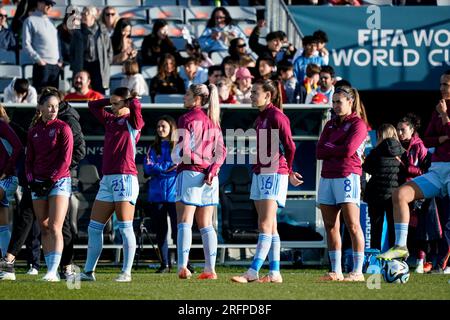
{"x": 347, "y": 185}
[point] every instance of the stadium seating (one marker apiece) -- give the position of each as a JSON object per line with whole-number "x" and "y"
{"x": 239, "y": 216}
{"x": 7, "y": 57}
{"x": 169, "y": 98}
{"x": 168, "y": 13}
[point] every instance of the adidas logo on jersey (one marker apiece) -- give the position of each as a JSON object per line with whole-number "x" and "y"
{"x": 121, "y": 194}
{"x": 348, "y": 195}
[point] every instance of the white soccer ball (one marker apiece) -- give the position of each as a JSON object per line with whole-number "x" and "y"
{"x": 395, "y": 271}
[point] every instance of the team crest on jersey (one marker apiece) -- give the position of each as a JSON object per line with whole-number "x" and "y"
{"x": 51, "y": 133}
{"x": 35, "y": 135}
{"x": 121, "y": 121}
{"x": 347, "y": 126}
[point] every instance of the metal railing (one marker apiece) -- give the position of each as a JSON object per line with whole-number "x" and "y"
{"x": 278, "y": 17}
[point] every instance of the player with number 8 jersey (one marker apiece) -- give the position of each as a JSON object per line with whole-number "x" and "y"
{"x": 341, "y": 146}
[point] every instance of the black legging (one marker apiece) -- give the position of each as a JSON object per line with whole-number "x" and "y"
{"x": 376, "y": 214}
{"x": 159, "y": 212}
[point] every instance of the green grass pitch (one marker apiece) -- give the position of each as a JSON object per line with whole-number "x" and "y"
{"x": 299, "y": 284}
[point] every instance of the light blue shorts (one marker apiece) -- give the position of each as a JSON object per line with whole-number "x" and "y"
{"x": 192, "y": 190}
{"x": 9, "y": 186}
{"x": 339, "y": 190}
{"x": 118, "y": 187}
{"x": 62, "y": 187}
{"x": 270, "y": 186}
{"x": 436, "y": 182}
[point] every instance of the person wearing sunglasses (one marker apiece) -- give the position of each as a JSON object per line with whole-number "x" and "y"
{"x": 219, "y": 31}
{"x": 7, "y": 39}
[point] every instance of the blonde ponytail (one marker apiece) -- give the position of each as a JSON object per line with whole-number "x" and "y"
{"x": 214, "y": 106}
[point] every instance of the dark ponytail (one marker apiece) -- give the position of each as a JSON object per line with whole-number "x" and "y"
{"x": 274, "y": 87}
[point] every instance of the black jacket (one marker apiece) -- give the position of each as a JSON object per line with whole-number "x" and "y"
{"x": 70, "y": 116}
{"x": 384, "y": 168}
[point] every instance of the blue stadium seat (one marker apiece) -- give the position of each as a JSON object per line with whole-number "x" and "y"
{"x": 123, "y": 3}
{"x": 169, "y": 98}
{"x": 7, "y": 57}
{"x": 168, "y": 13}
{"x": 137, "y": 15}
{"x": 141, "y": 30}
{"x": 84, "y": 3}
{"x": 154, "y": 3}
{"x": 149, "y": 72}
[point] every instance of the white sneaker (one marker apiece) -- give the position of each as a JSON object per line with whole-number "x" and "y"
{"x": 124, "y": 277}
{"x": 447, "y": 270}
{"x": 32, "y": 271}
{"x": 7, "y": 276}
{"x": 51, "y": 277}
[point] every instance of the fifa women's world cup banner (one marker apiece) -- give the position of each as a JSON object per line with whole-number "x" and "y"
{"x": 383, "y": 47}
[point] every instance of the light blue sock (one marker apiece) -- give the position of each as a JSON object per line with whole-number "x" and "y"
{"x": 184, "y": 240}
{"x": 52, "y": 260}
{"x": 262, "y": 249}
{"x": 95, "y": 245}
{"x": 335, "y": 261}
{"x": 5, "y": 236}
{"x": 401, "y": 234}
{"x": 358, "y": 261}
{"x": 274, "y": 254}
{"x": 209, "y": 240}
{"x": 129, "y": 244}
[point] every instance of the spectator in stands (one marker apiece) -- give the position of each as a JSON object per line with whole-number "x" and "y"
{"x": 383, "y": 164}
{"x": 322, "y": 40}
{"x": 238, "y": 51}
{"x": 274, "y": 44}
{"x": 133, "y": 80}
{"x": 10, "y": 150}
{"x": 214, "y": 74}
{"x": 433, "y": 183}
{"x": 157, "y": 44}
{"x": 355, "y": 3}
{"x": 121, "y": 42}
{"x": 194, "y": 51}
{"x": 20, "y": 91}
{"x": 326, "y": 86}
{"x": 192, "y": 73}
{"x": 7, "y": 39}
{"x": 83, "y": 91}
{"x": 65, "y": 34}
{"x": 197, "y": 181}
{"x": 226, "y": 89}
{"x": 266, "y": 68}
{"x": 219, "y": 31}
{"x": 109, "y": 18}
{"x": 287, "y": 51}
{"x": 24, "y": 9}
{"x": 167, "y": 80}
{"x": 270, "y": 180}
{"x": 312, "y": 78}
{"x": 91, "y": 50}
{"x": 50, "y": 185}
{"x": 158, "y": 165}
{"x": 339, "y": 147}
{"x": 306, "y": 57}
{"x": 122, "y": 129}
{"x": 230, "y": 68}
{"x": 40, "y": 41}
{"x": 244, "y": 89}
{"x": 289, "y": 81}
